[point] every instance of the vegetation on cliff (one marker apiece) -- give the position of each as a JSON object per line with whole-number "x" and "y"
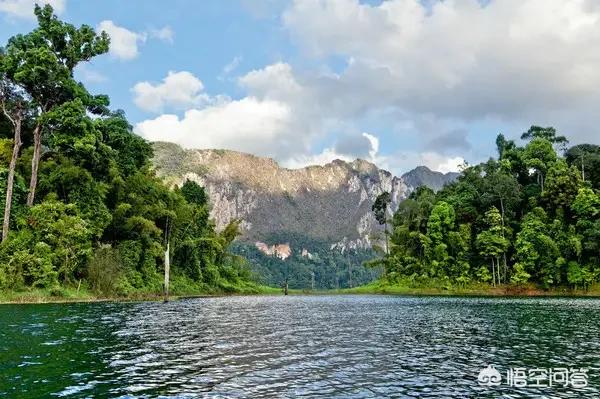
{"x": 83, "y": 207}
{"x": 312, "y": 264}
{"x": 529, "y": 218}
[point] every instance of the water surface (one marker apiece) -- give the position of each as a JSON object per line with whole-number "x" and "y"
{"x": 311, "y": 346}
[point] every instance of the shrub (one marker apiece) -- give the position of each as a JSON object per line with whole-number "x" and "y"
{"x": 105, "y": 270}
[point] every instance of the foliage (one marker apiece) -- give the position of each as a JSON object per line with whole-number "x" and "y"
{"x": 101, "y": 217}
{"x": 526, "y": 217}
{"x": 332, "y": 269}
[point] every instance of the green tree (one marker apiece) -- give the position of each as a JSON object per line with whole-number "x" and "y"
{"x": 539, "y": 155}
{"x": 546, "y": 133}
{"x": 562, "y": 185}
{"x": 42, "y": 62}
{"x": 441, "y": 222}
{"x": 492, "y": 242}
{"x": 536, "y": 252}
{"x": 380, "y": 209}
{"x": 586, "y": 158}
{"x": 14, "y": 105}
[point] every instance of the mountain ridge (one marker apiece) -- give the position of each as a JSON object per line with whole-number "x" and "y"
{"x": 330, "y": 202}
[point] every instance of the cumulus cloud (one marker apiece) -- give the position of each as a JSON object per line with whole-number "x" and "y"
{"x": 179, "y": 90}
{"x": 269, "y": 121}
{"x": 123, "y": 42}
{"x": 403, "y": 161}
{"x": 510, "y": 59}
{"x": 426, "y": 72}
{"x": 24, "y": 8}
{"x": 249, "y": 125}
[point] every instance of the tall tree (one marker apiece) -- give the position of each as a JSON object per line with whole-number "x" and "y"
{"x": 42, "y": 62}
{"x": 539, "y": 155}
{"x": 586, "y": 157}
{"x": 380, "y": 209}
{"x": 547, "y": 133}
{"x": 492, "y": 242}
{"x": 14, "y": 106}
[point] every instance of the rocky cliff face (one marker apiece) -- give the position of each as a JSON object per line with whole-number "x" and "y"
{"x": 330, "y": 203}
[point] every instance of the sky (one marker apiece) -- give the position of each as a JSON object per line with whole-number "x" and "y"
{"x": 400, "y": 83}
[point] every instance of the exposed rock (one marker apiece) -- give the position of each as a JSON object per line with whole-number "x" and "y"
{"x": 331, "y": 203}
{"x": 282, "y": 251}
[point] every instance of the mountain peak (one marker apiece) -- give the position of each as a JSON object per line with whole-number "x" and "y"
{"x": 423, "y": 176}
{"x": 331, "y": 203}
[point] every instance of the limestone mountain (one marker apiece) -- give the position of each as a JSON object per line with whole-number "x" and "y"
{"x": 329, "y": 203}
{"x": 423, "y": 176}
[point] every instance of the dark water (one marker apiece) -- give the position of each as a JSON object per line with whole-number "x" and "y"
{"x": 327, "y": 346}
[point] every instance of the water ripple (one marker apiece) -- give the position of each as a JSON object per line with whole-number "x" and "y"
{"x": 311, "y": 346}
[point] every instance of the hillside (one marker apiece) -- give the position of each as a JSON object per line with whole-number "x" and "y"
{"x": 327, "y": 206}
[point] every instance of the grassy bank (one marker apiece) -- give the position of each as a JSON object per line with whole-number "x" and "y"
{"x": 72, "y": 294}
{"x": 380, "y": 287}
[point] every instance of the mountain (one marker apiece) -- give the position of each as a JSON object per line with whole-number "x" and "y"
{"x": 331, "y": 203}
{"x": 423, "y": 176}
{"x": 295, "y": 216}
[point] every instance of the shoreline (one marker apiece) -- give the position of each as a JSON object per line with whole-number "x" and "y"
{"x": 506, "y": 291}
{"x": 44, "y": 297}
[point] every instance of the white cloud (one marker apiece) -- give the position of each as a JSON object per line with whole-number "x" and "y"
{"x": 123, "y": 42}
{"x": 249, "y": 125}
{"x": 441, "y": 163}
{"x": 165, "y": 34}
{"x": 404, "y": 161}
{"x": 179, "y": 90}
{"x": 374, "y": 144}
{"x": 326, "y": 156}
{"x": 24, "y": 8}
{"x": 431, "y": 70}
{"x": 520, "y": 60}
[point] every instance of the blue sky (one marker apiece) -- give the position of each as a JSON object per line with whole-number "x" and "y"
{"x": 400, "y": 82}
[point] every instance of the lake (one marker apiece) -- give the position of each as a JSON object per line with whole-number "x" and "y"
{"x": 301, "y": 346}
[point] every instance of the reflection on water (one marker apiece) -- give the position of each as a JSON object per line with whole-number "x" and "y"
{"x": 344, "y": 346}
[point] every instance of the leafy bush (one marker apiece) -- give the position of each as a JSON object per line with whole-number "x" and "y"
{"x": 105, "y": 270}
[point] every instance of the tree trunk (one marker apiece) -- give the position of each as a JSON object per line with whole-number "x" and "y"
{"x": 35, "y": 162}
{"x": 493, "y": 274}
{"x": 167, "y": 272}
{"x": 505, "y": 266}
{"x": 387, "y": 239}
{"x": 387, "y": 249}
{"x": 498, "y": 269}
{"x": 11, "y": 178}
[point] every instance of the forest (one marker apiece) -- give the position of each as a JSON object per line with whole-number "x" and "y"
{"x": 83, "y": 208}
{"x": 320, "y": 268}
{"x": 531, "y": 217}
